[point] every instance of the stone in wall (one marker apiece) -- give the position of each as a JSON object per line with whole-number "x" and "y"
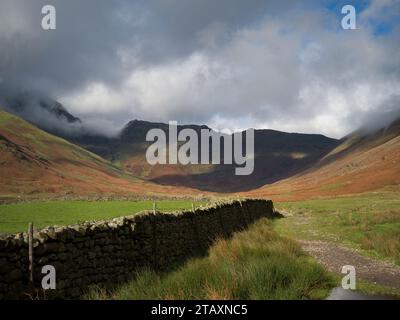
{"x": 103, "y": 253}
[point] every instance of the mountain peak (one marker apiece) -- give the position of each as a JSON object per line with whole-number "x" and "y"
{"x": 137, "y": 129}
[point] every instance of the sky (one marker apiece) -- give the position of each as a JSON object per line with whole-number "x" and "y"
{"x": 229, "y": 64}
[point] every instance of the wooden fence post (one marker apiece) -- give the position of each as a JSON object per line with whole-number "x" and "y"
{"x": 30, "y": 244}
{"x": 154, "y": 207}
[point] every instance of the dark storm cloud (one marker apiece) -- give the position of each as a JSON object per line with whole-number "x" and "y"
{"x": 93, "y": 37}
{"x": 83, "y": 47}
{"x": 227, "y": 63}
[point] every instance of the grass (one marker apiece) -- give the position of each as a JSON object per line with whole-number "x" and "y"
{"x": 368, "y": 222}
{"x": 15, "y": 217}
{"x": 374, "y": 289}
{"x": 254, "y": 264}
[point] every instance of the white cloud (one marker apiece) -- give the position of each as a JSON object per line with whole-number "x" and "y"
{"x": 95, "y": 98}
{"x": 263, "y": 76}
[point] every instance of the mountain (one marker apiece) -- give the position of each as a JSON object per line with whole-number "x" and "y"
{"x": 34, "y": 162}
{"x": 363, "y": 161}
{"x": 288, "y": 166}
{"x": 277, "y": 155}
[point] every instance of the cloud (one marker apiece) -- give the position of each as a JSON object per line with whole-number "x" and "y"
{"x": 228, "y": 63}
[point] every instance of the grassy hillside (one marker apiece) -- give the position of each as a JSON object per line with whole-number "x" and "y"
{"x": 35, "y": 163}
{"x": 16, "y": 217}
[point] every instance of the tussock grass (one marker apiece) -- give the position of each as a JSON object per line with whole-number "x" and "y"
{"x": 386, "y": 243}
{"x": 253, "y": 264}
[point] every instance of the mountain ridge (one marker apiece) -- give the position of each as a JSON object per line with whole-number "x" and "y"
{"x": 278, "y": 154}
{"x": 283, "y": 161}
{"x": 363, "y": 161}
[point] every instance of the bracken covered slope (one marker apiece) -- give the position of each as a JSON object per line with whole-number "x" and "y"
{"x": 33, "y": 162}
{"x": 362, "y": 162}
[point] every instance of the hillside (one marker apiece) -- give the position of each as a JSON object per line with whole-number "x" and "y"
{"x": 278, "y": 155}
{"x": 34, "y": 162}
{"x": 362, "y": 162}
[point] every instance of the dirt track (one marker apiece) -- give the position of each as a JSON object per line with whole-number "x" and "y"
{"x": 333, "y": 257}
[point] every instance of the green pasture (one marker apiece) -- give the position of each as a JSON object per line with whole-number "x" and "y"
{"x": 15, "y": 217}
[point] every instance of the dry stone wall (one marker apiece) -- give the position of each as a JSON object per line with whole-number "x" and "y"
{"x": 104, "y": 253}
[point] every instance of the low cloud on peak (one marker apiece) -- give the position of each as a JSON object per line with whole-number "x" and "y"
{"x": 227, "y": 64}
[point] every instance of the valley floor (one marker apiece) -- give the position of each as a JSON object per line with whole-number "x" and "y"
{"x": 369, "y": 223}
{"x": 362, "y": 230}
{"x": 267, "y": 261}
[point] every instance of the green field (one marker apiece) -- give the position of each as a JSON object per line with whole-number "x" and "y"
{"x": 263, "y": 262}
{"x": 254, "y": 264}
{"x": 368, "y": 222}
{"x": 15, "y": 217}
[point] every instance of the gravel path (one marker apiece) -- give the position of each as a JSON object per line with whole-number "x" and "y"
{"x": 334, "y": 256}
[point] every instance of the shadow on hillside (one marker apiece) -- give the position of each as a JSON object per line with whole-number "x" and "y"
{"x": 109, "y": 288}
{"x": 267, "y": 170}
